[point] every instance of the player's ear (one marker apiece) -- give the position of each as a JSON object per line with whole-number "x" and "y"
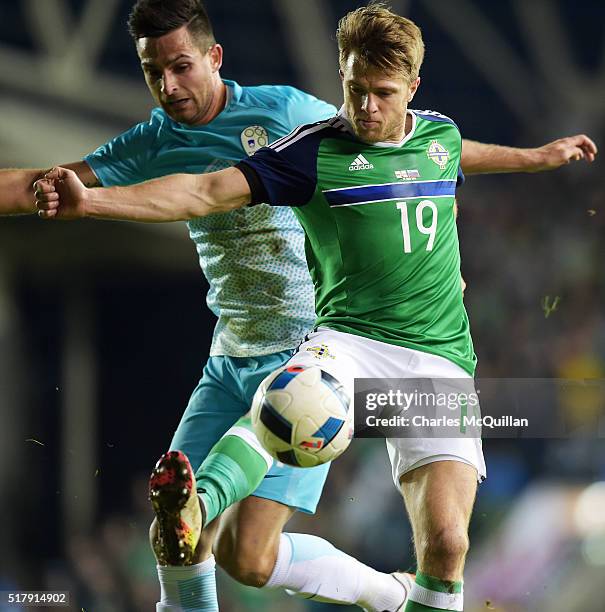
{"x": 342, "y": 74}
{"x": 216, "y": 57}
{"x": 413, "y": 88}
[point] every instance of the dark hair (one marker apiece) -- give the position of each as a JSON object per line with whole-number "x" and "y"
{"x": 154, "y": 18}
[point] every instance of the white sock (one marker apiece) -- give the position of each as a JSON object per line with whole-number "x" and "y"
{"x": 188, "y": 587}
{"x": 311, "y": 567}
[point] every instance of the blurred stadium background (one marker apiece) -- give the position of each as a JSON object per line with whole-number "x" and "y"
{"x": 103, "y": 328}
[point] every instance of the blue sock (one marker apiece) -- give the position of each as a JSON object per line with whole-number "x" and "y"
{"x": 188, "y": 588}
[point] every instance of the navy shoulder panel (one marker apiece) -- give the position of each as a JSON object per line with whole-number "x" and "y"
{"x": 430, "y": 115}
{"x": 286, "y": 170}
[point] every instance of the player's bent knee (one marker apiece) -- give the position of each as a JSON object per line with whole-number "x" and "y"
{"x": 446, "y": 543}
{"x": 247, "y": 565}
{"x": 254, "y": 575}
{"x": 254, "y": 572}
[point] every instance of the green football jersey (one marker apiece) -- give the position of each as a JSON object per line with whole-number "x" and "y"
{"x": 381, "y": 239}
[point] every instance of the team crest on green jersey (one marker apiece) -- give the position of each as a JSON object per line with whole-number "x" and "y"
{"x": 438, "y": 154}
{"x": 253, "y": 138}
{"x": 321, "y": 351}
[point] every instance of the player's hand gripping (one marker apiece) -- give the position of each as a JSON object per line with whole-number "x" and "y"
{"x": 563, "y": 151}
{"x": 60, "y": 195}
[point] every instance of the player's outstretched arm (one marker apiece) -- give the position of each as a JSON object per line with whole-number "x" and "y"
{"x": 16, "y": 187}
{"x": 178, "y": 197}
{"x": 480, "y": 158}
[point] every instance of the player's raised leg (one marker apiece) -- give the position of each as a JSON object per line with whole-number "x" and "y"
{"x": 439, "y": 499}
{"x": 251, "y": 545}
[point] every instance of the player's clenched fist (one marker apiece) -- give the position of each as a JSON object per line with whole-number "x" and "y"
{"x": 60, "y": 195}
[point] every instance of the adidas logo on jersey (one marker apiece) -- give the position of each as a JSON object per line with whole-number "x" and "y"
{"x": 360, "y": 163}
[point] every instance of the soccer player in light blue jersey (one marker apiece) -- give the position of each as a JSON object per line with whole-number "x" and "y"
{"x": 261, "y": 293}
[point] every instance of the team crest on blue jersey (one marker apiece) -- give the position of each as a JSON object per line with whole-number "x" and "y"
{"x": 253, "y": 138}
{"x": 438, "y": 154}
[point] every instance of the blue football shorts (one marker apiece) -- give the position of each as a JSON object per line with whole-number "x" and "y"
{"x": 223, "y": 395}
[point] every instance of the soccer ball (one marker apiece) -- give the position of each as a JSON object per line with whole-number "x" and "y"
{"x": 302, "y": 416}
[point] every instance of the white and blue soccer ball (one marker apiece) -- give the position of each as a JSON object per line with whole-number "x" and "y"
{"x": 302, "y": 416}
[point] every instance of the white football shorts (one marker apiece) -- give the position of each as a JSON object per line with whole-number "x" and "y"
{"x": 347, "y": 356}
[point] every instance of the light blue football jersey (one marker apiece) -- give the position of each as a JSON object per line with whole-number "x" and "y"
{"x": 253, "y": 258}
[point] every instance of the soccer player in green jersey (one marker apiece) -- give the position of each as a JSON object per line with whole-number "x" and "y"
{"x": 374, "y": 189}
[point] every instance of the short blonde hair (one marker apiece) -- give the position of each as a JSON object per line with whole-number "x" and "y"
{"x": 381, "y": 39}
